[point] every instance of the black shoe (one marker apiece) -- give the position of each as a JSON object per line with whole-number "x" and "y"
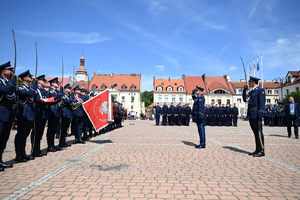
{"x": 259, "y": 154}
{"x": 67, "y": 144}
{"x": 297, "y": 137}
{"x": 27, "y": 157}
{"x": 43, "y": 153}
{"x": 80, "y": 141}
{"x": 3, "y": 165}
{"x": 1, "y": 169}
{"x": 252, "y": 153}
{"x": 19, "y": 156}
{"x": 50, "y": 147}
{"x": 56, "y": 148}
{"x": 199, "y": 147}
{"x": 36, "y": 154}
{"x": 289, "y": 136}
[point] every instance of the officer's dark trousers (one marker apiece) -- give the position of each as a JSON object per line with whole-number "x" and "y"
{"x": 172, "y": 118}
{"x": 187, "y": 120}
{"x": 4, "y": 134}
{"x": 271, "y": 121}
{"x": 65, "y": 123}
{"x": 179, "y": 119}
{"x": 280, "y": 121}
{"x": 227, "y": 120}
{"x": 234, "y": 120}
{"x": 52, "y": 127}
{"x": 292, "y": 119}
{"x": 266, "y": 120}
{"x": 205, "y": 120}
{"x": 79, "y": 125}
{"x": 39, "y": 131}
{"x": 213, "y": 120}
{"x": 256, "y": 127}
{"x": 201, "y": 131}
{"x": 165, "y": 119}
{"x": 23, "y": 130}
{"x": 157, "y": 118}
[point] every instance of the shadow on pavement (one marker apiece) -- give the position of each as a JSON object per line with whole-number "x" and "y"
{"x": 189, "y": 143}
{"x": 235, "y": 149}
{"x": 278, "y": 135}
{"x": 101, "y": 141}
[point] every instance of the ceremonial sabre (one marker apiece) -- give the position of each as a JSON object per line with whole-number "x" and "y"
{"x": 36, "y": 60}
{"x": 244, "y": 70}
{"x": 34, "y": 124}
{"x": 15, "y": 64}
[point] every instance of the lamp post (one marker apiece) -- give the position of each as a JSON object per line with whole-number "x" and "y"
{"x": 281, "y": 81}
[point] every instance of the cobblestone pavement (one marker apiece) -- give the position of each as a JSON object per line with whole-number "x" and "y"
{"x": 144, "y": 161}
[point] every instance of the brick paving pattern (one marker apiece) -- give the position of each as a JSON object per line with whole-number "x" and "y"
{"x": 143, "y": 161}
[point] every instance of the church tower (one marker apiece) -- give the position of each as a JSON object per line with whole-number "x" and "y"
{"x": 81, "y": 73}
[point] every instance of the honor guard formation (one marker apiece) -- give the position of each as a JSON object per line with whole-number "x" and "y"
{"x": 31, "y": 107}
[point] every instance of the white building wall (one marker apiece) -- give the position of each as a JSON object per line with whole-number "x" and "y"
{"x": 161, "y": 97}
{"x": 290, "y": 89}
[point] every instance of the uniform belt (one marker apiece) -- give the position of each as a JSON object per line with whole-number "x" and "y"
{"x": 13, "y": 106}
{"x": 252, "y": 106}
{"x": 42, "y": 105}
{"x": 29, "y": 104}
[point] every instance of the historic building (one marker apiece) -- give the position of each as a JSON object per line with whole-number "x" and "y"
{"x": 291, "y": 82}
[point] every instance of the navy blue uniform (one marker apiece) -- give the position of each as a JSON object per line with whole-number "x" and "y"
{"x": 213, "y": 113}
{"x": 157, "y": 114}
{"x": 54, "y": 115}
{"x": 256, "y": 106}
{"x": 164, "y": 112}
{"x": 235, "y": 113}
{"x": 66, "y": 116}
{"x": 188, "y": 112}
{"x": 227, "y": 115}
{"x": 172, "y": 114}
{"x": 198, "y": 116}
{"x": 7, "y": 110}
{"x": 179, "y": 112}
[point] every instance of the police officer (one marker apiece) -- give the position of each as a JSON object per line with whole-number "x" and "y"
{"x": 280, "y": 115}
{"x": 256, "y": 104}
{"x": 79, "y": 116}
{"x": 172, "y": 114}
{"x": 8, "y": 102}
{"x": 213, "y": 112}
{"x": 198, "y": 114}
{"x": 54, "y": 115}
{"x": 188, "y": 112}
{"x": 227, "y": 114}
{"x": 164, "y": 113}
{"x": 42, "y": 109}
{"x": 157, "y": 113}
{"x": 26, "y": 115}
{"x": 235, "y": 113}
{"x": 272, "y": 115}
{"x": 67, "y": 114}
{"x": 179, "y": 112}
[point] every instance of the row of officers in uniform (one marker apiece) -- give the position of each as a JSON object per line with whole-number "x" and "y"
{"x": 33, "y": 106}
{"x": 213, "y": 115}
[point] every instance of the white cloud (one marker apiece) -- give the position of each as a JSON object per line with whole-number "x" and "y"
{"x": 71, "y": 37}
{"x": 156, "y": 6}
{"x": 281, "y": 41}
{"x": 232, "y": 68}
{"x": 160, "y": 68}
{"x": 98, "y": 71}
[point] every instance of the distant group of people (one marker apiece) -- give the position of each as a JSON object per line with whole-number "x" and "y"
{"x": 179, "y": 115}
{"x": 220, "y": 115}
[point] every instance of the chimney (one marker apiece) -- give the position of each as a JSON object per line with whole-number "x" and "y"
{"x": 242, "y": 80}
{"x": 227, "y": 77}
{"x": 183, "y": 76}
{"x": 169, "y": 78}
{"x": 111, "y": 75}
{"x": 267, "y": 81}
{"x": 93, "y": 74}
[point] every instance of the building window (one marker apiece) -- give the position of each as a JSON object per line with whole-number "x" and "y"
{"x": 175, "y": 83}
{"x": 123, "y": 98}
{"x": 180, "y": 99}
{"x": 180, "y": 89}
{"x": 103, "y": 87}
{"x": 276, "y": 100}
{"x": 268, "y": 100}
{"x": 228, "y": 101}
{"x": 269, "y": 91}
{"x": 169, "y": 89}
{"x": 275, "y": 91}
{"x": 132, "y": 88}
{"x": 159, "y": 99}
{"x": 287, "y": 91}
{"x": 173, "y": 99}
{"x": 297, "y": 88}
{"x": 219, "y": 101}
{"x": 219, "y": 92}
{"x": 239, "y": 100}
{"x": 162, "y": 83}
{"x": 94, "y": 88}
{"x": 212, "y": 101}
{"x": 123, "y": 88}
{"x": 239, "y": 91}
{"x": 166, "y": 99}
{"x": 289, "y": 79}
{"x": 159, "y": 89}
{"x": 132, "y": 98}
{"x": 190, "y": 101}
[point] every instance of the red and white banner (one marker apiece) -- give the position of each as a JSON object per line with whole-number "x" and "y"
{"x": 99, "y": 110}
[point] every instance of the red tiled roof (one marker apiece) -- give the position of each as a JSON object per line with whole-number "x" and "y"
{"x": 216, "y": 82}
{"x": 270, "y": 85}
{"x": 120, "y": 79}
{"x": 294, "y": 73}
{"x": 66, "y": 80}
{"x": 174, "y": 83}
{"x": 82, "y": 84}
{"x": 193, "y": 81}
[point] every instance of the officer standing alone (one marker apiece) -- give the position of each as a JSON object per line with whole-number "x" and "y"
{"x": 198, "y": 115}
{"x": 157, "y": 113}
{"x": 256, "y": 99}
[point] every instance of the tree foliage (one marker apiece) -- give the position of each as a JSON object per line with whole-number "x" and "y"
{"x": 295, "y": 94}
{"x": 147, "y": 97}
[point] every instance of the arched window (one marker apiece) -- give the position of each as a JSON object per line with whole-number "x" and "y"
{"x": 159, "y": 89}
{"x": 169, "y": 89}
{"x": 219, "y": 92}
{"x": 180, "y": 89}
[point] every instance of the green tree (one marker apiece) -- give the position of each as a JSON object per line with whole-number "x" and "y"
{"x": 147, "y": 97}
{"x": 295, "y": 94}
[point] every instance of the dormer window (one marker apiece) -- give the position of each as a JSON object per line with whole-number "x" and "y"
{"x": 159, "y": 89}
{"x": 132, "y": 88}
{"x": 123, "y": 88}
{"x": 180, "y": 89}
{"x": 103, "y": 87}
{"x": 162, "y": 83}
{"x": 169, "y": 89}
{"x": 175, "y": 83}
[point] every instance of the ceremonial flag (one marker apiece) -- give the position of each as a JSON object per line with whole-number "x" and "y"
{"x": 254, "y": 67}
{"x": 257, "y": 67}
{"x": 99, "y": 110}
{"x": 250, "y": 68}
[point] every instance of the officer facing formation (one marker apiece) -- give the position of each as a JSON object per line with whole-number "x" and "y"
{"x": 256, "y": 98}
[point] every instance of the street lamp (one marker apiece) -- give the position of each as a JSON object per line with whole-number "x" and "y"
{"x": 281, "y": 81}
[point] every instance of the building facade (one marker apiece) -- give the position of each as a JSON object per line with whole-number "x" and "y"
{"x": 291, "y": 83}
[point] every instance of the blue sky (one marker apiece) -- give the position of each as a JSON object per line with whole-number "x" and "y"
{"x": 158, "y": 38}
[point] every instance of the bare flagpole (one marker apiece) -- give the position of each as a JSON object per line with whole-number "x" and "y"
{"x": 262, "y": 72}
